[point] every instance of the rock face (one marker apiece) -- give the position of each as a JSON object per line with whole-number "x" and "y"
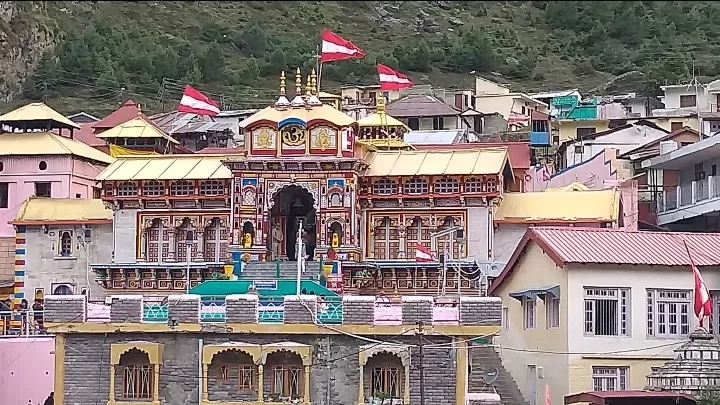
{"x": 26, "y": 34}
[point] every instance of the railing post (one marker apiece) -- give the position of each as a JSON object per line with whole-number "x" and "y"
{"x": 664, "y": 206}
{"x": 277, "y": 268}
{"x": 678, "y": 192}
{"x": 693, "y": 191}
{"x": 711, "y": 186}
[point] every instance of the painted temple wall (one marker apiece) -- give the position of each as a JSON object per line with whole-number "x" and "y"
{"x": 46, "y": 269}
{"x": 126, "y": 228}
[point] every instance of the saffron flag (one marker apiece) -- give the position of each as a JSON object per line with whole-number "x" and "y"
{"x": 334, "y": 47}
{"x": 423, "y": 254}
{"x": 195, "y": 102}
{"x": 702, "y": 303}
{"x": 392, "y": 80}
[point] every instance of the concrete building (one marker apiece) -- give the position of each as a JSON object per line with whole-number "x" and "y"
{"x": 176, "y": 356}
{"x": 515, "y": 107}
{"x": 62, "y": 237}
{"x": 39, "y": 157}
{"x": 596, "y": 309}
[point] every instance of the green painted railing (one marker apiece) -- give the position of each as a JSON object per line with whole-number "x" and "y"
{"x": 330, "y": 311}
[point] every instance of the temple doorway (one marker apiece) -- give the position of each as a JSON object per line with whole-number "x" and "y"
{"x": 293, "y": 205}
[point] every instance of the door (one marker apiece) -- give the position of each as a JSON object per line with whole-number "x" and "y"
{"x": 532, "y": 384}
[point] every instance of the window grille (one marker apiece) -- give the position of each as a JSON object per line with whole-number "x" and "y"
{"x": 286, "y": 381}
{"x": 182, "y": 188}
{"x": 447, "y": 185}
{"x": 137, "y": 381}
{"x": 127, "y": 188}
{"x": 66, "y": 243}
{"x": 668, "y": 313}
{"x": 607, "y": 311}
{"x": 415, "y": 185}
{"x": 387, "y": 380}
{"x": 384, "y": 186}
{"x": 473, "y": 185}
{"x": 153, "y": 188}
{"x": 529, "y": 312}
{"x": 552, "y": 312}
{"x": 212, "y": 187}
{"x": 610, "y": 378}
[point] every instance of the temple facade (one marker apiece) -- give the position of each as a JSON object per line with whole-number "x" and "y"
{"x": 348, "y": 192}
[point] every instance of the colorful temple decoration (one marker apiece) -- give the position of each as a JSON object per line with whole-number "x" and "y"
{"x": 354, "y": 193}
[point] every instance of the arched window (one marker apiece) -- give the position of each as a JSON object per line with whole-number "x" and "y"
{"x": 335, "y": 200}
{"x": 384, "y": 186}
{"x": 66, "y": 243}
{"x": 214, "y": 242}
{"x": 415, "y": 186}
{"x": 232, "y": 373}
{"x": 335, "y": 228}
{"x": 136, "y": 374}
{"x": 153, "y": 188}
{"x": 182, "y": 188}
{"x": 387, "y": 375}
{"x": 447, "y": 185}
{"x": 127, "y": 188}
{"x": 155, "y": 248}
{"x": 473, "y": 185}
{"x": 417, "y": 233}
{"x": 212, "y": 187}
{"x": 386, "y": 240}
{"x": 62, "y": 290}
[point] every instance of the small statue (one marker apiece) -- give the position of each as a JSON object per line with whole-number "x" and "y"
{"x": 247, "y": 240}
{"x": 335, "y": 240}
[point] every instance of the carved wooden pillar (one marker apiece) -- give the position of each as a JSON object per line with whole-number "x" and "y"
{"x": 112, "y": 382}
{"x": 172, "y": 245}
{"x": 143, "y": 245}
{"x": 306, "y": 388}
{"x": 205, "y": 382}
{"x": 200, "y": 248}
{"x": 260, "y": 382}
{"x": 402, "y": 235}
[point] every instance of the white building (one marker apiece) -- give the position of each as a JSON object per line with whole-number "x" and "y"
{"x": 515, "y": 107}
{"x": 622, "y": 138}
{"x": 594, "y": 309}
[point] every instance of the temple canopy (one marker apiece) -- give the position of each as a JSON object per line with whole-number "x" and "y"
{"x": 381, "y": 118}
{"x": 136, "y": 128}
{"x": 36, "y": 116}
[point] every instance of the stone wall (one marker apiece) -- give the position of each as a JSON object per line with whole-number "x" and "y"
{"x": 47, "y": 270}
{"x": 335, "y": 363}
{"x": 125, "y": 236}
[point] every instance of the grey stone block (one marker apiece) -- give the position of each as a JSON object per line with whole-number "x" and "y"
{"x": 65, "y": 308}
{"x": 481, "y": 311}
{"x": 301, "y": 309}
{"x": 184, "y": 308}
{"x": 241, "y": 308}
{"x": 126, "y": 309}
{"x": 417, "y": 309}
{"x": 358, "y": 310}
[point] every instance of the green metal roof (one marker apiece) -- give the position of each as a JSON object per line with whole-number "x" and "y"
{"x": 221, "y": 288}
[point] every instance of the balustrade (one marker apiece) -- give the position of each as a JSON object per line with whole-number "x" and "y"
{"x": 323, "y": 310}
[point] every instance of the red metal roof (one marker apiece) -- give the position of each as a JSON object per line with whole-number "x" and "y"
{"x": 128, "y": 111}
{"x": 86, "y": 135}
{"x": 601, "y": 397}
{"x": 615, "y": 246}
{"x": 518, "y": 152}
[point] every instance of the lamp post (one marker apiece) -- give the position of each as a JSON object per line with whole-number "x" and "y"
{"x": 299, "y": 256}
{"x": 189, "y": 240}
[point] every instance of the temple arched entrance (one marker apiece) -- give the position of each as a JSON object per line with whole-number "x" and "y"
{"x": 292, "y": 205}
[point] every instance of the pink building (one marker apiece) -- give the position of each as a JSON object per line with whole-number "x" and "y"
{"x": 39, "y": 157}
{"x": 27, "y": 370}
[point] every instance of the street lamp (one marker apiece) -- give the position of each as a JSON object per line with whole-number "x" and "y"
{"x": 189, "y": 241}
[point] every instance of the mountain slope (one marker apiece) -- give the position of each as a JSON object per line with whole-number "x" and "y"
{"x": 108, "y": 51}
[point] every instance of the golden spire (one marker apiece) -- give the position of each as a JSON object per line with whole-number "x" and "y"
{"x": 282, "y": 83}
{"x": 380, "y": 103}
{"x": 298, "y": 83}
{"x": 308, "y": 88}
{"x": 139, "y": 109}
{"x": 313, "y": 79}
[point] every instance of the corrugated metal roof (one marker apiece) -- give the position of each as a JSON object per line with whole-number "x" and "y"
{"x": 36, "y": 112}
{"x": 617, "y": 246}
{"x": 186, "y": 123}
{"x": 46, "y": 143}
{"x": 575, "y": 206}
{"x": 37, "y": 210}
{"x": 437, "y": 163}
{"x": 167, "y": 167}
{"x": 420, "y": 106}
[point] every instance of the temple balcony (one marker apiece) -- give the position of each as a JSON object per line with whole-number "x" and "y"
{"x": 18, "y": 322}
{"x": 252, "y": 309}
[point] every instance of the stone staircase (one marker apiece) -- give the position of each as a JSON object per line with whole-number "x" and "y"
{"x": 485, "y": 358}
{"x": 288, "y": 270}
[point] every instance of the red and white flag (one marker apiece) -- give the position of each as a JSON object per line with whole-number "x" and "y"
{"x": 392, "y": 80}
{"x": 334, "y": 47}
{"x": 702, "y": 302}
{"x": 423, "y": 254}
{"x": 195, "y": 102}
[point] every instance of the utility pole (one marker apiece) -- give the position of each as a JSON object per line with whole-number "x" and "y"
{"x": 45, "y": 91}
{"x": 422, "y": 365}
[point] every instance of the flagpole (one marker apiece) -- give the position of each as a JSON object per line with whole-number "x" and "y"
{"x": 319, "y": 68}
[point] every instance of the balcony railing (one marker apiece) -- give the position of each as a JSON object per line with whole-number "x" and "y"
{"x": 689, "y": 194}
{"x": 21, "y": 323}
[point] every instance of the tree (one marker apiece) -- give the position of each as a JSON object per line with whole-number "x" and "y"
{"x": 212, "y": 64}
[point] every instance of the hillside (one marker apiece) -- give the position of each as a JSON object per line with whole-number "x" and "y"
{"x": 105, "y": 52}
